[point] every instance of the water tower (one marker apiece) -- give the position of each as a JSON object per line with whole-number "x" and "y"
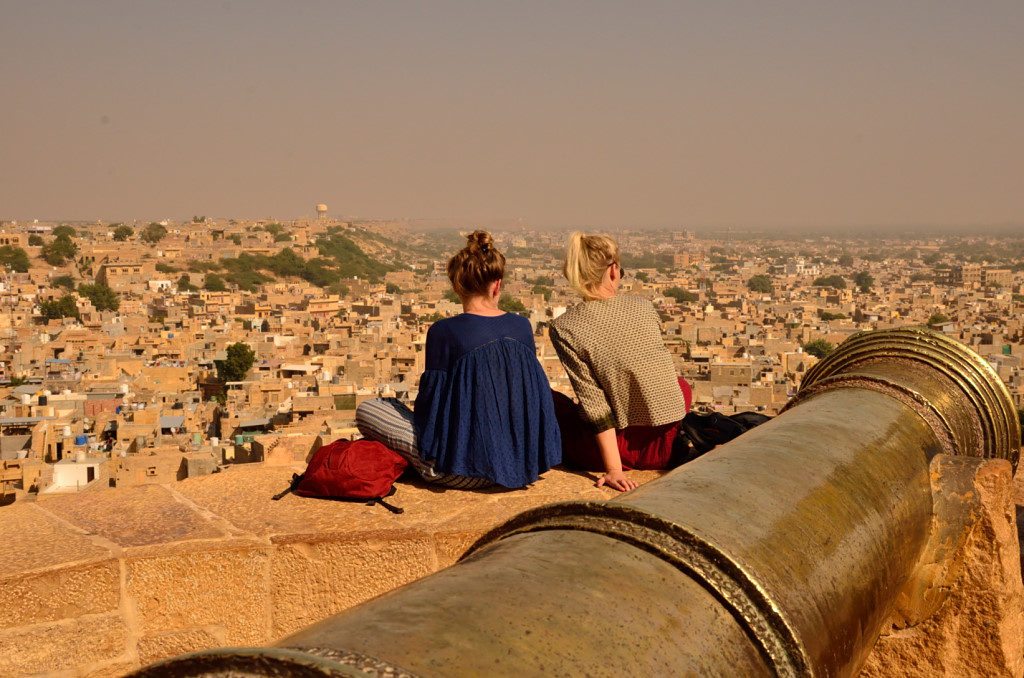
{"x": 321, "y": 211}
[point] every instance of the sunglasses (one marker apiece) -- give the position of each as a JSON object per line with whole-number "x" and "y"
{"x": 622, "y": 271}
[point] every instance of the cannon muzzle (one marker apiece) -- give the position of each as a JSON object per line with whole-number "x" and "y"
{"x": 784, "y": 552}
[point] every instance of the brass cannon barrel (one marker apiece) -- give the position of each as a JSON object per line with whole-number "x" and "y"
{"x": 780, "y": 553}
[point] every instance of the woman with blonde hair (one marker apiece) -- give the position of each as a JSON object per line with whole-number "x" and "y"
{"x": 484, "y": 413}
{"x": 630, "y": 398}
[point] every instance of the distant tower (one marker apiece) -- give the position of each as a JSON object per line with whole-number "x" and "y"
{"x": 321, "y": 211}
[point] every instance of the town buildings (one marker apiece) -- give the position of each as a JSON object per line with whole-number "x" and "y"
{"x": 96, "y": 394}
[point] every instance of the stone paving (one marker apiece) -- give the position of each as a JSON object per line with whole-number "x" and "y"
{"x": 99, "y": 583}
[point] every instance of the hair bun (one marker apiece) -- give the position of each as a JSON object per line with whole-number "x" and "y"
{"x": 479, "y": 241}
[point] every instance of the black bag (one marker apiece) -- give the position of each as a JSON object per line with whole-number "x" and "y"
{"x": 705, "y": 432}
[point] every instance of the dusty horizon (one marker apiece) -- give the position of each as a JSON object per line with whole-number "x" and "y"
{"x": 653, "y": 115}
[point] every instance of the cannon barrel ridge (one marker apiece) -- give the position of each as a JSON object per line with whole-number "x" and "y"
{"x": 781, "y": 553}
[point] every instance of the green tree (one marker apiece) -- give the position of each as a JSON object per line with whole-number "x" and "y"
{"x": 64, "y": 281}
{"x": 161, "y": 267}
{"x": 864, "y": 281}
{"x": 35, "y": 240}
{"x": 541, "y": 289}
{"x": 65, "y": 307}
{"x": 846, "y": 260}
{"x": 819, "y": 348}
{"x": 451, "y": 296}
{"x": 64, "y": 229}
{"x": 544, "y": 280}
{"x": 235, "y": 238}
{"x": 153, "y": 233}
{"x": 214, "y": 283}
{"x": 761, "y": 284}
{"x": 510, "y": 304}
{"x": 102, "y": 297}
{"x": 392, "y": 288}
{"x": 938, "y": 319}
{"x": 185, "y": 284}
{"x": 828, "y": 315}
{"x": 15, "y": 258}
{"x": 196, "y": 266}
{"x": 59, "y": 251}
{"x": 282, "y": 237}
{"x": 681, "y": 295}
{"x": 239, "y": 360}
{"x": 834, "y": 281}
{"x": 642, "y": 276}
{"x": 122, "y": 232}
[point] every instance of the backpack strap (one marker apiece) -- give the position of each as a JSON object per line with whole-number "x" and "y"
{"x": 391, "y": 507}
{"x": 296, "y": 479}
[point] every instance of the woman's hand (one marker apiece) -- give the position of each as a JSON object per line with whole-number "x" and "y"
{"x": 617, "y": 480}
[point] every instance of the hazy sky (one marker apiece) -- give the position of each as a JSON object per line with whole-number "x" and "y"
{"x": 559, "y": 113}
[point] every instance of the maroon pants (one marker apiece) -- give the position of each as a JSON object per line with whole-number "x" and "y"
{"x": 641, "y": 447}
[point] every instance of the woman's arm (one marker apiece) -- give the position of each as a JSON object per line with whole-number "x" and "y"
{"x": 596, "y": 411}
{"x": 613, "y": 476}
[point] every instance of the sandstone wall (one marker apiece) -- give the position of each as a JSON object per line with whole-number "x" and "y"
{"x": 100, "y": 583}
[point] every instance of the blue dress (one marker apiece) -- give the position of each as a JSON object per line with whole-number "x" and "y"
{"x": 484, "y": 407}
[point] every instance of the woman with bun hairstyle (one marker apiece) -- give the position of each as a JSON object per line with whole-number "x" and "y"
{"x": 484, "y": 414}
{"x": 630, "y": 397}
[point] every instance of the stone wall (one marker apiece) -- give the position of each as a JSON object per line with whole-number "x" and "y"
{"x": 101, "y": 582}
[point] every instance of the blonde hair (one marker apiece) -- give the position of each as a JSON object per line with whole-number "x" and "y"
{"x": 586, "y": 259}
{"x": 476, "y": 266}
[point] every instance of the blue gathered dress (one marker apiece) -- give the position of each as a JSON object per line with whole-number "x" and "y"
{"x": 484, "y": 407}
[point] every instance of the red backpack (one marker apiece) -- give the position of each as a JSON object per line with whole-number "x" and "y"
{"x": 357, "y": 470}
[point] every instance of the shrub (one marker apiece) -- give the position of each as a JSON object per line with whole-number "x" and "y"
{"x": 510, "y": 304}
{"x": 681, "y": 295}
{"x": 59, "y": 251}
{"x": 863, "y": 281}
{"x": 153, "y": 233}
{"x": 214, "y": 283}
{"x": 761, "y": 284}
{"x": 239, "y": 360}
{"x": 819, "y": 348}
{"x": 65, "y": 307}
{"x": 64, "y": 281}
{"x": 102, "y": 297}
{"x": 833, "y": 281}
{"x": 15, "y": 258}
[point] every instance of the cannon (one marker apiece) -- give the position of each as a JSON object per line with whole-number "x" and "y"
{"x": 784, "y": 552}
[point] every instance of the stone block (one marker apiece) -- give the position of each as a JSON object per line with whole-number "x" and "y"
{"x": 62, "y": 646}
{"x": 313, "y": 580}
{"x": 33, "y": 539}
{"x": 159, "y": 646}
{"x": 60, "y": 593}
{"x": 114, "y": 669}
{"x": 202, "y": 585}
{"x": 133, "y": 517}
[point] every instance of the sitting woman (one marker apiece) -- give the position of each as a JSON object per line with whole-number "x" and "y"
{"x": 630, "y": 398}
{"x": 484, "y": 414}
